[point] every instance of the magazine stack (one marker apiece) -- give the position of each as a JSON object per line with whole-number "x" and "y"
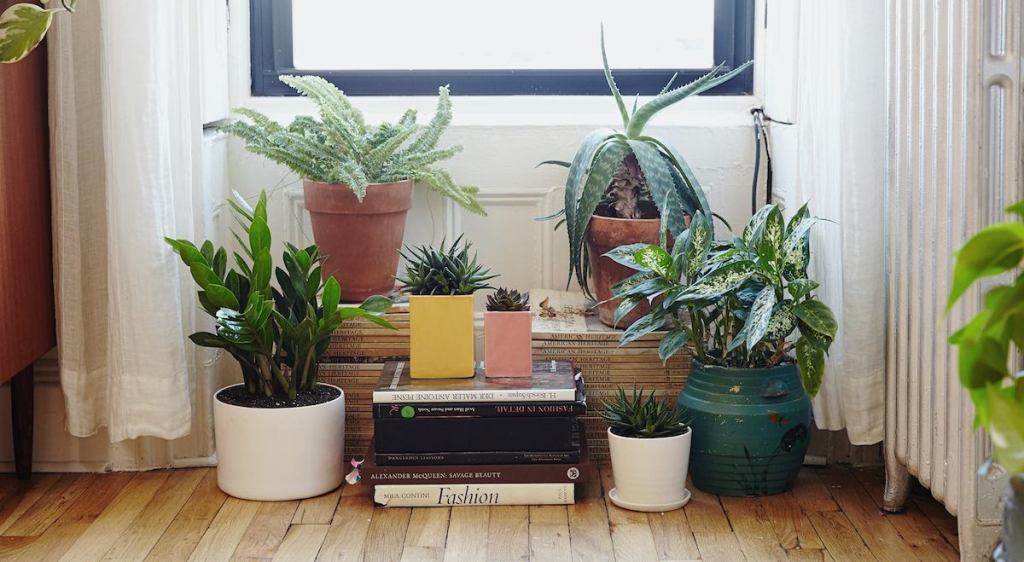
{"x": 565, "y": 330}
{"x": 354, "y": 361}
{"x": 477, "y": 441}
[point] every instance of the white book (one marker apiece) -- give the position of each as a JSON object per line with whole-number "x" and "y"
{"x": 448, "y": 495}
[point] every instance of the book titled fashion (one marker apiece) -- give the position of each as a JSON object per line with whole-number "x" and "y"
{"x": 552, "y": 381}
{"x": 450, "y": 495}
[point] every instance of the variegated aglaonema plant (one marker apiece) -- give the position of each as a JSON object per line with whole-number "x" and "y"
{"x": 622, "y": 173}
{"x": 745, "y": 303}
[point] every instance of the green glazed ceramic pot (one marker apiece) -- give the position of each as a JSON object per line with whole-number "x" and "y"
{"x": 751, "y": 428}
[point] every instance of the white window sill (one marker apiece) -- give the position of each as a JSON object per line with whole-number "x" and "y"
{"x": 528, "y": 111}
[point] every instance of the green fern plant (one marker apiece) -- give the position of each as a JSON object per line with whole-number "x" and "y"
{"x": 644, "y": 417}
{"x": 341, "y": 147}
{"x": 448, "y": 270}
{"x": 611, "y": 166}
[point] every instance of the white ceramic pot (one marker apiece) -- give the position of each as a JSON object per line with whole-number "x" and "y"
{"x": 275, "y": 454}
{"x": 650, "y": 474}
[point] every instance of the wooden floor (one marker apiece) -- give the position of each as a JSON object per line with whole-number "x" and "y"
{"x": 832, "y": 514}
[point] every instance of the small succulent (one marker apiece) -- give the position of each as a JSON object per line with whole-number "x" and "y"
{"x": 643, "y": 417}
{"x": 445, "y": 270}
{"x": 508, "y": 300}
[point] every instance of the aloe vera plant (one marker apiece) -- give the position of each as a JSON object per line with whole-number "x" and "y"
{"x": 277, "y": 334}
{"x": 614, "y": 170}
{"x": 733, "y": 303}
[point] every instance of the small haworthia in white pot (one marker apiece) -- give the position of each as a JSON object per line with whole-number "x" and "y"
{"x": 650, "y": 450}
{"x": 280, "y": 435}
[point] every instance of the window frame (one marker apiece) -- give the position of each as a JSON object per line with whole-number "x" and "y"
{"x": 270, "y": 37}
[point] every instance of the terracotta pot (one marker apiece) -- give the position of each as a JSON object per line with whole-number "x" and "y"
{"x": 359, "y": 241}
{"x": 606, "y": 234}
{"x": 508, "y": 347}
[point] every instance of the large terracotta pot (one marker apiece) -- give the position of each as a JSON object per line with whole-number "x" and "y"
{"x": 606, "y": 234}
{"x": 359, "y": 241}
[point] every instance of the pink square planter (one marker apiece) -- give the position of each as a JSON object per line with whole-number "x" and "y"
{"x": 508, "y": 349}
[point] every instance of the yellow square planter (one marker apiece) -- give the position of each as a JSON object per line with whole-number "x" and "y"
{"x": 441, "y": 336}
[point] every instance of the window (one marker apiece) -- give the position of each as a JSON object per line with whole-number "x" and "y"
{"x": 498, "y": 48}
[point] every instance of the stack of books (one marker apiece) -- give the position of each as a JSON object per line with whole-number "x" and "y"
{"x": 564, "y": 329}
{"x": 477, "y": 441}
{"x": 354, "y": 360}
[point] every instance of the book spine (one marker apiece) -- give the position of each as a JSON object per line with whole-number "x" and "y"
{"x": 448, "y": 495}
{"x": 397, "y": 435}
{"x": 475, "y": 410}
{"x": 496, "y": 457}
{"x": 424, "y": 396}
{"x": 482, "y": 474}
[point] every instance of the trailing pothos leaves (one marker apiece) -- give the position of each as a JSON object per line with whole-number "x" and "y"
{"x": 23, "y": 27}
{"x": 662, "y": 176}
{"x": 987, "y": 340}
{"x": 733, "y": 303}
{"x": 277, "y": 334}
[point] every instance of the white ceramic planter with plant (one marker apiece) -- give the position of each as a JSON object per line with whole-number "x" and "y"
{"x": 650, "y": 450}
{"x": 280, "y": 435}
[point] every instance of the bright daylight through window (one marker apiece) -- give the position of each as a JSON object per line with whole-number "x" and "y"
{"x": 408, "y": 47}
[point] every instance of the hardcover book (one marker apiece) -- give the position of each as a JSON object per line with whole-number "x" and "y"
{"x": 552, "y": 381}
{"x": 479, "y": 457}
{"x": 426, "y": 435}
{"x": 448, "y": 495}
{"x": 560, "y": 473}
{"x": 417, "y": 410}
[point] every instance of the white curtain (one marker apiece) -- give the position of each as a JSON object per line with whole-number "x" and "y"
{"x": 124, "y": 137}
{"x": 831, "y": 56}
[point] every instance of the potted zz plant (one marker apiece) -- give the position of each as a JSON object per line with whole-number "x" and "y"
{"x": 987, "y": 343}
{"x": 650, "y": 448}
{"x": 440, "y": 283}
{"x": 279, "y": 433}
{"x": 508, "y": 344}
{"x": 624, "y": 186}
{"x": 357, "y": 178}
{"x": 735, "y": 305}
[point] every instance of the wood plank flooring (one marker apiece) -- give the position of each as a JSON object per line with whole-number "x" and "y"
{"x": 832, "y": 514}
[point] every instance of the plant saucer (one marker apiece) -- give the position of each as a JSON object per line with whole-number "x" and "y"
{"x": 614, "y": 495}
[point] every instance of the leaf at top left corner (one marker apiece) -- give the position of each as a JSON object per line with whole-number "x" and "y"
{"x": 22, "y": 28}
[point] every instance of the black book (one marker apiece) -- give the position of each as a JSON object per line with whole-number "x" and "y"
{"x": 456, "y": 434}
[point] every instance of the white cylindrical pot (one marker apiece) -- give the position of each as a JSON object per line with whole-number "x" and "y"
{"x": 276, "y": 454}
{"x": 650, "y": 474}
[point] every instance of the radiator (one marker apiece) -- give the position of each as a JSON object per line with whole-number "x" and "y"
{"x": 954, "y": 153}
